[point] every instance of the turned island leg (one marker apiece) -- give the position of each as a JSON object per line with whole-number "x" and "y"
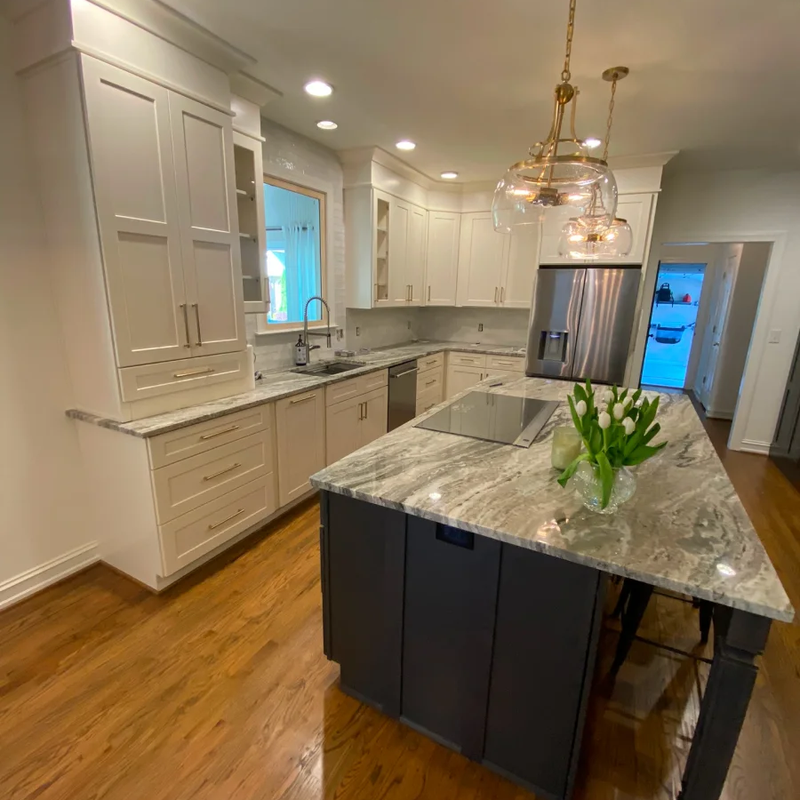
{"x": 739, "y": 638}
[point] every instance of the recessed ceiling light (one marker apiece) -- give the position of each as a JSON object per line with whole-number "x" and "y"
{"x": 318, "y": 89}
{"x": 327, "y": 125}
{"x": 592, "y": 142}
{"x": 405, "y": 144}
{"x": 449, "y": 176}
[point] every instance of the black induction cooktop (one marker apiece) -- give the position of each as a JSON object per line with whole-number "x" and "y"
{"x": 493, "y": 417}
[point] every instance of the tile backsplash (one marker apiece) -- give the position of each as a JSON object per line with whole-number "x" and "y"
{"x": 500, "y": 325}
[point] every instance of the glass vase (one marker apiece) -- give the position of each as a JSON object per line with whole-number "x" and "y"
{"x": 586, "y": 482}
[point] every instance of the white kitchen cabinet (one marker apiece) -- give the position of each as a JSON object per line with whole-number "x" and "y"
{"x": 481, "y": 257}
{"x": 461, "y": 378}
{"x": 635, "y": 208}
{"x": 416, "y": 254}
{"x": 441, "y": 271}
{"x": 133, "y": 165}
{"x": 300, "y": 423}
{"x": 521, "y": 264}
{"x": 204, "y": 168}
{"x": 376, "y": 415}
{"x": 355, "y": 422}
{"x": 406, "y": 252}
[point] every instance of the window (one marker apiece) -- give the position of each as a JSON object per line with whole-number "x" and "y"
{"x": 295, "y": 222}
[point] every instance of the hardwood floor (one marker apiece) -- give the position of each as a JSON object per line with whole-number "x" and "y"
{"x": 219, "y": 689}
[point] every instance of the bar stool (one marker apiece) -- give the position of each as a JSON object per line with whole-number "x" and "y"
{"x": 633, "y": 600}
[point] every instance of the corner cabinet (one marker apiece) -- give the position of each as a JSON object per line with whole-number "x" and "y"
{"x": 387, "y": 243}
{"x": 637, "y": 209}
{"x": 495, "y": 269}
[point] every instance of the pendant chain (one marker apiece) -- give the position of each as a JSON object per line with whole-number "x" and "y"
{"x": 565, "y": 73}
{"x": 610, "y": 118}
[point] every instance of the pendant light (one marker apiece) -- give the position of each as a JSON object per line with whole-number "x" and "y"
{"x": 559, "y": 170}
{"x": 591, "y": 236}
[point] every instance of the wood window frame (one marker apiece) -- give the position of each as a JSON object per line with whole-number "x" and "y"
{"x": 285, "y": 327}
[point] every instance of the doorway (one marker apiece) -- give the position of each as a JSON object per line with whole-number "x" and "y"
{"x": 673, "y": 324}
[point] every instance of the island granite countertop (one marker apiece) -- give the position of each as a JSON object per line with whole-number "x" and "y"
{"x": 284, "y": 383}
{"x": 685, "y": 529}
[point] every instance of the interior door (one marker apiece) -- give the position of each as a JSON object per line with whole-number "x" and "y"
{"x": 719, "y": 314}
{"x": 607, "y": 312}
{"x": 399, "y": 221}
{"x": 133, "y": 174}
{"x": 444, "y": 228}
{"x": 480, "y": 261}
{"x": 415, "y": 258}
{"x": 204, "y": 167}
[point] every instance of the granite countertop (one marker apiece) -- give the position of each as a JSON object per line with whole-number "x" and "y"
{"x": 275, "y": 385}
{"x": 685, "y": 529}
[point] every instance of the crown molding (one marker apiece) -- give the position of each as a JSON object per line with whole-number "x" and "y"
{"x": 253, "y": 90}
{"x": 647, "y": 160}
{"x": 179, "y": 30}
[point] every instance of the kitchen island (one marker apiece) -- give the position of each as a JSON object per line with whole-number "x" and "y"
{"x": 462, "y": 588}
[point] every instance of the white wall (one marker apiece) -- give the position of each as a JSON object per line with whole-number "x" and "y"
{"x": 742, "y": 205}
{"x": 292, "y": 157}
{"x": 43, "y": 523}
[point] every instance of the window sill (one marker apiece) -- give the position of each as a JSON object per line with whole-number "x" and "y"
{"x": 263, "y": 337}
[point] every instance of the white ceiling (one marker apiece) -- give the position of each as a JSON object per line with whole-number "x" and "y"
{"x": 471, "y": 80}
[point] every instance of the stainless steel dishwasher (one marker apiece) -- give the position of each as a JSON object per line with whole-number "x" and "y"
{"x": 402, "y": 394}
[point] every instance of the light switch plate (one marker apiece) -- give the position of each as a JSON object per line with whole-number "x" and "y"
{"x": 775, "y": 336}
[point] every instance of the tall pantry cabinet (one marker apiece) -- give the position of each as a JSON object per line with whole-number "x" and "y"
{"x": 138, "y": 191}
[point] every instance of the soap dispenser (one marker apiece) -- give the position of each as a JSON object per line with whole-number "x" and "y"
{"x": 300, "y": 355}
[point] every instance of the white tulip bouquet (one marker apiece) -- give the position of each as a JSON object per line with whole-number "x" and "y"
{"x": 617, "y": 432}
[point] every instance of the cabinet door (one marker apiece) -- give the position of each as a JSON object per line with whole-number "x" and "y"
{"x": 300, "y": 423}
{"x": 376, "y": 413}
{"x": 415, "y": 256}
{"x": 397, "y": 252}
{"x": 442, "y": 263}
{"x": 134, "y": 184}
{"x": 204, "y": 167}
{"x": 521, "y": 266}
{"x": 554, "y": 220}
{"x": 461, "y": 378}
{"x": 343, "y": 428}
{"x": 635, "y": 208}
{"x": 480, "y": 261}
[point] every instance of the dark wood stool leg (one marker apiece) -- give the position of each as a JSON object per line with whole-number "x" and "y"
{"x": 706, "y": 616}
{"x": 740, "y": 637}
{"x": 639, "y": 597}
{"x": 624, "y": 594}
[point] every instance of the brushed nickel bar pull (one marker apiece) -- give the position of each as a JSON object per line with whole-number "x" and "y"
{"x": 188, "y": 373}
{"x": 407, "y": 372}
{"x": 495, "y": 295}
{"x": 360, "y": 411}
{"x": 429, "y": 293}
{"x": 227, "y": 519}
{"x": 199, "y": 333}
{"x": 301, "y": 399}
{"x": 219, "y": 433}
{"x": 430, "y": 383}
{"x": 186, "y": 323}
{"x": 222, "y": 472}
{"x": 366, "y": 410}
{"x": 502, "y": 294}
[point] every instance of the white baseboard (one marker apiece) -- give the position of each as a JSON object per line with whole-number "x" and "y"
{"x": 33, "y": 580}
{"x": 751, "y": 446}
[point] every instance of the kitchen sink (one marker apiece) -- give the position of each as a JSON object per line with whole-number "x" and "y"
{"x": 329, "y": 368}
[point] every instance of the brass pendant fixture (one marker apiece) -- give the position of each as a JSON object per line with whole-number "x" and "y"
{"x": 598, "y": 233}
{"x": 559, "y": 171}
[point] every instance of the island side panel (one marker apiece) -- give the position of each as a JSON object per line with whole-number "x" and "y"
{"x": 450, "y": 600}
{"x": 548, "y": 614}
{"x": 363, "y": 567}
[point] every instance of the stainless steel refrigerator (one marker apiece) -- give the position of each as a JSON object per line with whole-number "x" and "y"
{"x": 581, "y": 322}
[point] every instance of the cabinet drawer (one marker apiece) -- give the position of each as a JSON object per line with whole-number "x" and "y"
{"x": 429, "y": 380}
{"x": 186, "y": 442}
{"x": 430, "y": 398}
{"x": 507, "y": 363}
{"x": 347, "y": 390}
{"x": 467, "y": 359}
{"x": 185, "y": 539}
{"x": 430, "y": 362}
{"x": 189, "y": 483}
{"x": 374, "y": 380}
{"x": 154, "y": 380}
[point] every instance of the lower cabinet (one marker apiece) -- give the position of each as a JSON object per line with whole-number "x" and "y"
{"x": 353, "y": 423}
{"x": 461, "y": 378}
{"x": 464, "y": 370}
{"x": 301, "y": 442}
{"x": 486, "y": 647}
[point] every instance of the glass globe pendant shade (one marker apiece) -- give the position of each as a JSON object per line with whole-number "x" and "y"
{"x": 530, "y": 187}
{"x": 584, "y": 244}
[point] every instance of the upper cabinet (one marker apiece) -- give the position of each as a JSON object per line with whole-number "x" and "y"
{"x": 386, "y": 246}
{"x": 441, "y": 270}
{"x": 635, "y": 208}
{"x": 495, "y": 269}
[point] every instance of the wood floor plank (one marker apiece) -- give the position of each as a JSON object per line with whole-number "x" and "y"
{"x": 218, "y": 688}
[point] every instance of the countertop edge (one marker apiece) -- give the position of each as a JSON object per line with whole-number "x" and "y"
{"x": 603, "y": 566}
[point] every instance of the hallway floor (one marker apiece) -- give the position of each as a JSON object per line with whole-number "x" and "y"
{"x": 218, "y": 688}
